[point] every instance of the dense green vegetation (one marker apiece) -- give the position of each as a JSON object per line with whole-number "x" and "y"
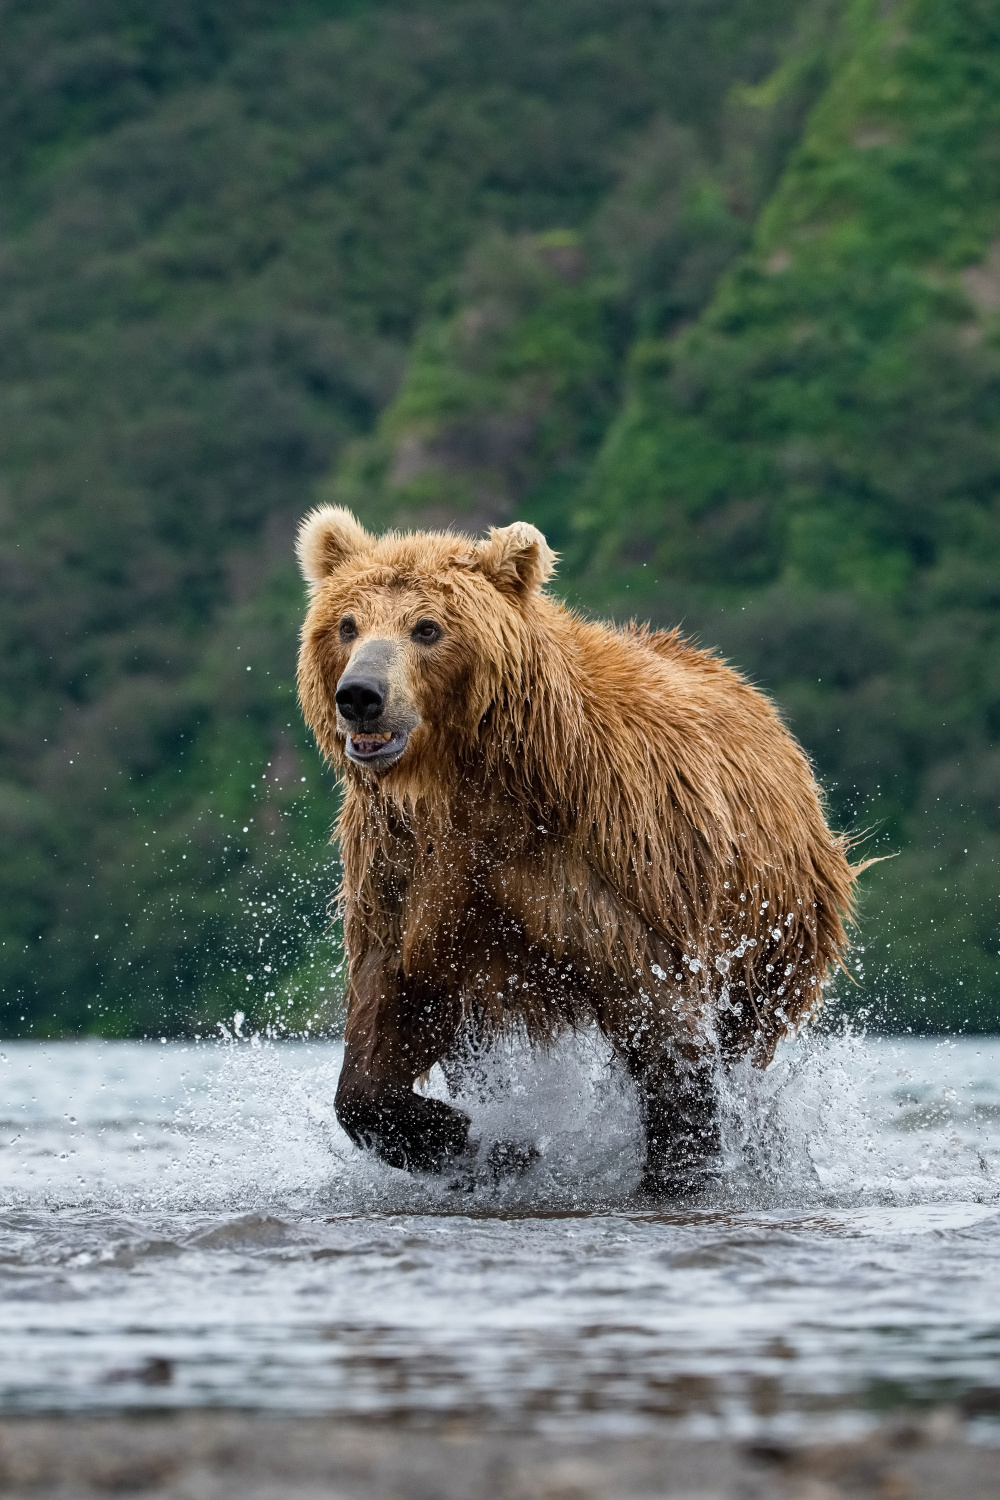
{"x": 824, "y": 450}
{"x": 705, "y": 288}
{"x": 221, "y": 227}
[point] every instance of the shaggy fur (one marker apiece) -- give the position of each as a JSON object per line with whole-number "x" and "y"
{"x": 586, "y": 823}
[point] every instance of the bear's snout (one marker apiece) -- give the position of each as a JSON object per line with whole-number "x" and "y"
{"x": 374, "y": 708}
{"x": 362, "y": 694}
{"x": 361, "y": 700}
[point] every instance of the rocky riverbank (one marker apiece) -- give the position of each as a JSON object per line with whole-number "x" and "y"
{"x": 233, "y": 1456}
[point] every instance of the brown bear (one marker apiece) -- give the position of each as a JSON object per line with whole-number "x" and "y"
{"x": 549, "y": 822}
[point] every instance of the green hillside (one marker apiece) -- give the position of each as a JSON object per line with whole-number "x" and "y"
{"x": 823, "y": 450}
{"x": 707, "y": 288}
{"x": 220, "y": 227}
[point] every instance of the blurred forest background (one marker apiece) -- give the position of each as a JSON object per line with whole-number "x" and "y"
{"x": 709, "y": 289}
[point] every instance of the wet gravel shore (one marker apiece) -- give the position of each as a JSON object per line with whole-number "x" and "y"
{"x": 232, "y": 1456}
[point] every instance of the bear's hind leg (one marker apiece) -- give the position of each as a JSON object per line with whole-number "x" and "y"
{"x": 675, "y": 1079}
{"x": 679, "y": 1107}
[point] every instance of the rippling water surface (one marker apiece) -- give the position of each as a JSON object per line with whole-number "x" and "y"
{"x": 186, "y": 1225}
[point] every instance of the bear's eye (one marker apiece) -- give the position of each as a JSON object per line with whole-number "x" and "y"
{"x": 348, "y": 628}
{"x": 427, "y": 632}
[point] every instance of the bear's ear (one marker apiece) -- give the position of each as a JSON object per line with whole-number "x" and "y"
{"x": 328, "y": 536}
{"x": 515, "y": 558}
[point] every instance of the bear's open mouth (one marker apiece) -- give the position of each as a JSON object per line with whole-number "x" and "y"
{"x": 376, "y": 748}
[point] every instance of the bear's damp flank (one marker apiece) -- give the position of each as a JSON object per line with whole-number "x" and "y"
{"x": 505, "y": 823}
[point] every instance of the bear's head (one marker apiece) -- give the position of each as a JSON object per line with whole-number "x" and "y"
{"x": 409, "y": 638}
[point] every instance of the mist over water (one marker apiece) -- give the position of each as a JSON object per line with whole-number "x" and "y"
{"x": 185, "y": 1224}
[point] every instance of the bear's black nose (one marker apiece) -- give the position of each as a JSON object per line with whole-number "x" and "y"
{"x": 361, "y": 700}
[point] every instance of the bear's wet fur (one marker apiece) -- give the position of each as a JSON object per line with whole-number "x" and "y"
{"x": 549, "y": 822}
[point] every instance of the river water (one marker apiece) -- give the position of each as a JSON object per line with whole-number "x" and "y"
{"x": 185, "y": 1225}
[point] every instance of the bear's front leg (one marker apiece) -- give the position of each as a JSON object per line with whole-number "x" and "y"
{"x": 395, "y": 1031}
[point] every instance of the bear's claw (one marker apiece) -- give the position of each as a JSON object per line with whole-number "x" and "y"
{"x": 503, "y": 1160}
{"x": 510, "y": 1159}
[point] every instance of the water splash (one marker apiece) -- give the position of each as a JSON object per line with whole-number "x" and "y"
{"x": 197, "y": 1210}
{"x": 249, "y": 1124}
